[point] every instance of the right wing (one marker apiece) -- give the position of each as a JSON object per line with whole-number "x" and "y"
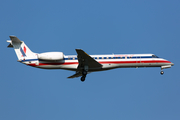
{"x": 86, "y": 60}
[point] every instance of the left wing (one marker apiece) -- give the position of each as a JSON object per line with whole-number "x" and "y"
{"x": 77, "y": 74}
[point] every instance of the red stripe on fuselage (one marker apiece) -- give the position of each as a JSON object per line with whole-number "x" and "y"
{"x": 128, "y": 62}
{"x": 103, "y": 62}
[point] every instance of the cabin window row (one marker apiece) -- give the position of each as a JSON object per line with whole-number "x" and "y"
{"x": 126, "y": 57}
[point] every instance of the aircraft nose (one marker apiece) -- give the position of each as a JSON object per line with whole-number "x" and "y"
{"x": 172, "y": 64}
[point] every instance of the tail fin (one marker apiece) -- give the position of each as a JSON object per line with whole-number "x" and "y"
{"x": 20, "y": 48}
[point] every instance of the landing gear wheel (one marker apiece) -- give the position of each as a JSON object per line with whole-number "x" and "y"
{"x": 84, "y": 73}
{"x": 83, "y": 78}
{"x": 162, "y": 72}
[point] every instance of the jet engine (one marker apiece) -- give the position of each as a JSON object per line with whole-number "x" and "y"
{"x": 51, "y": 56}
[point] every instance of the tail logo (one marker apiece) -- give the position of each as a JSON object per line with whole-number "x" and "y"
{"x": 23, "y": 51}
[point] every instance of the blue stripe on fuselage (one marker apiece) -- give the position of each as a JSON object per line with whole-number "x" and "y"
{"x": 96, "y": 58}
{"x": 75, "y": 58}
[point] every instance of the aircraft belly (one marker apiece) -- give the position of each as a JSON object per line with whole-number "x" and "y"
{"x": 66, "y": 67}
{"x": 60, "y": 66}
{"x": 111, "y": 66}
{"x": 131, "y": 65}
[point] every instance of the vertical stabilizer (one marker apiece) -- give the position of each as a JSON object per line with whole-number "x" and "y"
{"x": 20, "y": 48}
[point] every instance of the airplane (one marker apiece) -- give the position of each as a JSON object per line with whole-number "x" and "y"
{"x": 82, "y": 63}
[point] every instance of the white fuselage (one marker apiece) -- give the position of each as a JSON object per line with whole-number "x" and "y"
{"x": 108, "y": 62}
{"x": 83, "y": 63}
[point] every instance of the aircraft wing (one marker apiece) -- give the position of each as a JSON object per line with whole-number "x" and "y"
{"x": 85, "y": 60}
{"x": 77, "y": 74}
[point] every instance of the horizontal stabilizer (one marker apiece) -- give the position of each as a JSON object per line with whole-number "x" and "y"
{"x": 15, "y": 39}
{"x": 10, "y": 45}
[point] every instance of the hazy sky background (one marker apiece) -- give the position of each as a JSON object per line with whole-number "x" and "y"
{"x": 97, "y": 27}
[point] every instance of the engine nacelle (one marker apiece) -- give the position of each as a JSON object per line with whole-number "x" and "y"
{"x": 51, "y": 56}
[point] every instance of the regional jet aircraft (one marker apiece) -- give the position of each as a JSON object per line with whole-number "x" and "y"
{"x": 82, "y": 63}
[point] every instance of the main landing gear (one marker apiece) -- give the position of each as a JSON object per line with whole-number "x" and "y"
{"x": 84, "y": 73}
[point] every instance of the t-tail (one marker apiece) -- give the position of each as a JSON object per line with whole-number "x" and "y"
{"x": 22, "y": 51}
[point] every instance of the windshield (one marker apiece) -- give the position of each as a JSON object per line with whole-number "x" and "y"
{"x": 154, "y": 56}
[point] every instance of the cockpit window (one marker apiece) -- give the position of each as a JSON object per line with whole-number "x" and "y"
{"x": 154, "y": 56}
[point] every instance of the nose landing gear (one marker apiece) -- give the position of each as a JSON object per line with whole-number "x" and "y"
{"x": 164, "y": 67}
{"x": 162, "y": 72}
